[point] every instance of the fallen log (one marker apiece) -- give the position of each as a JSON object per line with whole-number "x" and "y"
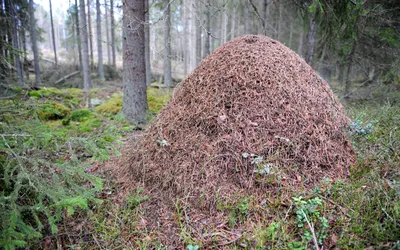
{"x": 66, "y": 77}
{"x": 48, "y": 60}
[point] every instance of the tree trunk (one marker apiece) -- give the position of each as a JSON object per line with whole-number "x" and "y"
{"x": 192, "y": 35}
{"x": 233, "y": 24}
{"x": 107, "y": 35}
{"x": 167, "y": 45}
{"x": 290, "y": 34}
{"x": 114, "y": 60}
{"x": 8, "y": 28}
{"x": 100, "y": 67}
{"x": 90, "y": 34}
{"x": 301, "y": 42}
{"x": 78, "y": 34}
{"x": 311, "y": 40}
{"x": 147, "y": 43}
{"x": 185, "y": 37}
{"x": 134, "y": 105}
{"x": 2, "y": 38}
{"x": 34, "y": 45}
{"x": 280, "y": 21}
{"x": 349, "y": 69}
{"x": 52, "y": 33}
{"x": 208, "y": 28}
{"x": 87, "y": 82}
{"x": 198, "y": 32}
{"x": 247, "y": 18}
{"x": 16, "y": 45}
{"x": 23, "y": 34}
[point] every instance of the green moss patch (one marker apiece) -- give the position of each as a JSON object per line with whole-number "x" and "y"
{"x": 112, "y": 106}
{"x": 157, "y": 99}
{"x": 81, "y": 115}
{"x": 53, "y": 111}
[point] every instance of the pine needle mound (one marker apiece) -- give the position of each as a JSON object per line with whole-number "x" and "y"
{"x": 254, "y": 96}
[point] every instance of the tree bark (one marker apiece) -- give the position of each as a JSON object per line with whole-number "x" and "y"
{"x": 280, "y": 21}
{"x": 233, "y": 24}
{"x": 107, "y": 35}
{"x": 16, "y": 45}
{"x": 290, "y": 34}
{"x": 167, "y": 45}
{"x": 134, "y": 106}
{"x": 147, "y": 42}
{"x": 301, "y": 42}
{"x": 23, "y": 34}
{"x": 34, "y": 45}
{"x": 349, "y": 69}
{"x": 2, "y": 37}
{"x": 311, "y": 40}
{"x": 78, "y": 35}
{"x": 197, "y": 17}
{"x": 8, "y": 28}
{"x": 207, "y": 14}
{"x": 52, "y": 33}
{"x": 247, "y": 19}
{"x": 192, "y": 36}
{"x": 185, "y": 37}
{"x": 100, "y": 67}
{"x": 90, "y": 34}
{"x": 87, "y": 81}
{"x": 114, "y": 60}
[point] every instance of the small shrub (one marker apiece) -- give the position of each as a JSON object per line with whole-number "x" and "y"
{"x": 308, "y": 211}
{"x": 89, "y": 125}
{"x": 81, "y": 114}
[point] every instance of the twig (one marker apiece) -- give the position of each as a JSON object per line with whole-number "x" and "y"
{"x": 342, "y": 209}
{"x": 312, "y": 230}
{"x": 15, "y": 135}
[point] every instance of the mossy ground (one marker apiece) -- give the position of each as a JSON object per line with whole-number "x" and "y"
{"x": 156, "y": 99}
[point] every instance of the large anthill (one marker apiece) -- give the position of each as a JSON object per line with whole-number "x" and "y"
{"x": 251, "y": 110}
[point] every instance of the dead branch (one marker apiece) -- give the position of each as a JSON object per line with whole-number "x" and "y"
{"x": 67, "y": 76}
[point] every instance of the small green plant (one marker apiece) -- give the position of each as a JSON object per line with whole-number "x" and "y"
{"x": 81, "y": 115}
{"x": 193, "y": 247}
{"x": 266, "y": 235}
{"x": 309, "y": 218}
{"x": 136, "y": 199}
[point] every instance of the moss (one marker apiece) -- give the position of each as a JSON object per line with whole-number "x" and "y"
{"x": 81, "y": 115}
{"x": 157, "y": 99}
{"x": 89, "y": 125}
{"x": 53, "y": 111}
{"x": 35, "y": 94}
{"x": 48, "y": 92}
{"x": 73, "y": 93}
{"x": 112, "y": 106}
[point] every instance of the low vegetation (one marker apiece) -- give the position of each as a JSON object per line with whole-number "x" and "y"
{"x": 48, "y": 147}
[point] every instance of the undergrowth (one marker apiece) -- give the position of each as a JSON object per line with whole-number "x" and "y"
{"x": 48, "y": 145}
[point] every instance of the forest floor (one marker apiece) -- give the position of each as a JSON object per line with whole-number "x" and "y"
{"x": 62, "y": 193}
